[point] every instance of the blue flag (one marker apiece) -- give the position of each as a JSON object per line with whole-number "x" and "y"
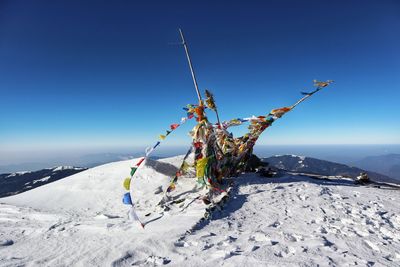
{"x": 127, "y": 199}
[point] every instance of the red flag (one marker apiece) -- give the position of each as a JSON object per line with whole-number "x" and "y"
{"x": 140, "y": 162}
{"x": 197, "y": 144}
{"x": 174, "y": 126}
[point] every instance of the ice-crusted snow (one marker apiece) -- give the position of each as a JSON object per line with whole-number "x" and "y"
{"x": 17, "y": 173}
{"x": 302, "y": 165}
{"x": 301, "y": 158}
{"x": 60, "y": 168}
{"x": 44, "y": 179}
{"x": 287, "y": 221}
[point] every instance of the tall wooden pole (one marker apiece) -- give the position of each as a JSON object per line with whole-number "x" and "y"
{"x": 190, "y": 65}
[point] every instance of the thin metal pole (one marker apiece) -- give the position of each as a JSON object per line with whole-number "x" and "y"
{"x": 219, "y": 122}
{"x": 190, "y": 65}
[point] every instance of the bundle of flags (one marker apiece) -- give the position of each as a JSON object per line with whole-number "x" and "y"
{"x": 217, "y": 154}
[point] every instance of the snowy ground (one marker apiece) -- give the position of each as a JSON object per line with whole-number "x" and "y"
{"x": 288, "y": 221}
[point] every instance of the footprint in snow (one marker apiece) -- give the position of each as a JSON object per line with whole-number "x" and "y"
{"x": 371, "y": 245}
{"x": 5, "y": 243}
{"x": 360, "y": 232}
{"x": 293, "y": 237}
{"x": 285, "y": 252}
{"x": 325, "y": 191}
{"x": 347, "y": 221}
{"x": 395, "y": 221}
{"x": 106, "y": 216}
{"x": 207, "y": 246}
{"x": 208, "y": 235}
{"x": 225, "y": 254}
{"x": 155, "y": 260}
{"x": 275, "y": 224}
{"x": 223, "y": 243}
{"x": 316, "y": 220}
{"x": 184, "y": 244}
{"x": 261, "y": 237}
{"x": 329, "y": 244}
{"x": 219, "y": 254}
{"x": 159, "y": 190}
{"x": 323, "y": 230}
{"x": 302, "y": 197}
{"x": 231, "y": 239}
{"x": 380, "y": 205}
{"x": 181, "y": 244}
{"x": 387, "y": 234}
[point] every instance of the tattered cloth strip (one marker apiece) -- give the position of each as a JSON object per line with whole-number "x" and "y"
{"x": 210, "y": 101}
{"x": 132, "y": 213}
{"x": 182, "y": 169}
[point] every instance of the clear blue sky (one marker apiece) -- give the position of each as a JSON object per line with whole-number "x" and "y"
{"x": 83, "y": 74}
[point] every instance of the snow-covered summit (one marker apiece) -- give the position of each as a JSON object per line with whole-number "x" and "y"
{"x": 286, "y": 221}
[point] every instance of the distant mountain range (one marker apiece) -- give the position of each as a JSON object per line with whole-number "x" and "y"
{"x": 15, "y": 183}
{"x": 386, "y": 164}
{"x": 87, "y": 161}
{"x": 316, "y": 166}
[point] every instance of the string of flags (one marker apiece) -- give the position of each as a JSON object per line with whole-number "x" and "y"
{"x": 190, "y": 110}
{"x": 217, "y": 153}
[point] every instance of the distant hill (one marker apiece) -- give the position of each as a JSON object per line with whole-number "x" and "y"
{"x": 15, "y": 183}
{"x": 316, "y": 166}
{"x": 386, "y": 164}
{"x": 87, "y": 161}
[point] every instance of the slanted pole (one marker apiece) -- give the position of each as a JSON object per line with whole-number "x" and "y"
{"x": 191, "y": 66}
{"x": 219, "y": 122}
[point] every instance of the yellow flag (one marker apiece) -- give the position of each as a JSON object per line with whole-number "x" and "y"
{"x": 127, "y": 183}
{"x": 171, "y": 187}
{"x": 200, "y": 167}
{"x": 185, "y": 166}
{"x": 210, "y": 100}
{"x": 162, "y": 137}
